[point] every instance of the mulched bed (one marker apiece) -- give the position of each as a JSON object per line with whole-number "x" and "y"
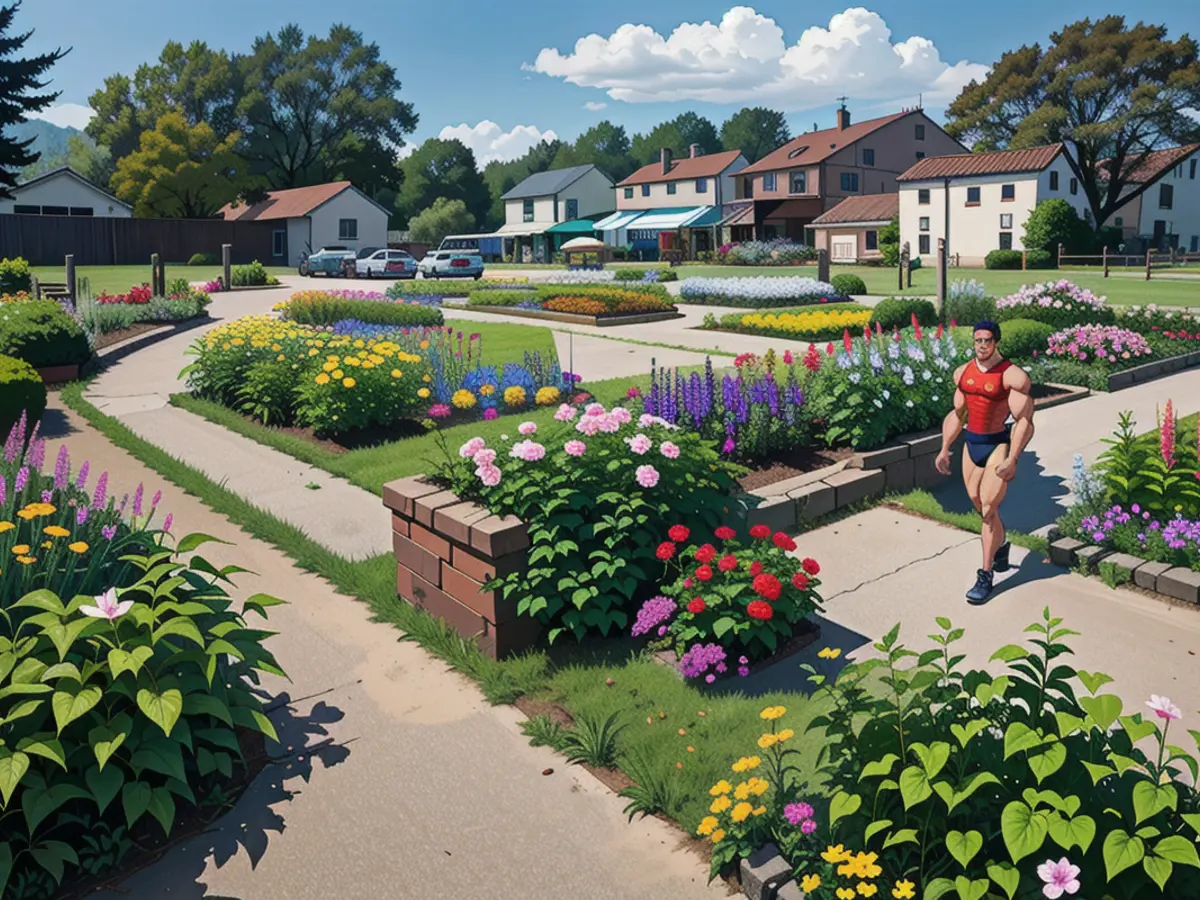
{"x": 1046, "y": 392}
{"x": 123, "y": 334}
{"x": 798, "y": 461}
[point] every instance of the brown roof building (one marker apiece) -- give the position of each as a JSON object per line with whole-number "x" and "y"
{"x": 850, "y": 231}
{"x": 973, "y": 165}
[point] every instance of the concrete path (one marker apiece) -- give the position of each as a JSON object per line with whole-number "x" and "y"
{"x": 395, "y": 778}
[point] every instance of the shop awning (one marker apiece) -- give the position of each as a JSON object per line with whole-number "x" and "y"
{"x": 710, "y": 217}
{"x": 575, "y": 226}
{"x": 670, "y": 219}
{"x": 740, "y": 213}
{"x": 525, "y": 229}
{"x": 617, "y": 220}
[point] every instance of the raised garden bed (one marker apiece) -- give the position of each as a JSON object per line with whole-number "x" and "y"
{"x": 1152, "y": 370}
{"x": 575, "y": 319}
{"x": 1175, "y": 582}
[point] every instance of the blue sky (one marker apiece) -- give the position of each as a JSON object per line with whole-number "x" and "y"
{"x": 467, "y": 62}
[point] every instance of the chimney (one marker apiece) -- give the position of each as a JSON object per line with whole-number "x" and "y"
{"x": 843, "y": 118}
{"x": 694, "y": 151}
{"x": 665, "y": 155}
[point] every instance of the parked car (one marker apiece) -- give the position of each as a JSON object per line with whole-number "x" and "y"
{"x": 448, "y": 264}
{"x": 386, "y": 264}
{"x": 331, "y": 261}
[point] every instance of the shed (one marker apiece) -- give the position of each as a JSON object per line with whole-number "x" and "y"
{"x": 850, "y": 230}
{"x": 63, "y": 192}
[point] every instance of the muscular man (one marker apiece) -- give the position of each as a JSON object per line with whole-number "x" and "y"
{"x": 989, "y": 389}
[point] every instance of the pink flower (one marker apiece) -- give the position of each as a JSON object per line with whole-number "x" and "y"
{"x": 107, "y": 606}
{"x": 489, "y": 475}
{"x": 608, "y": 423}
{"x": 575, "y": 448}
{"x": 566, "y": 412}
{"x": 490, "y": 413}
{"x": 669, "y": 450}
{"x": 471, "y": 447}
{"x": 588, "y": 425}
{"x": 621, "y": 415}
{"x": 484, "y": 458}
{"x": 640, "y": 444}
{"x": 1060, "y": 877}
{"x": 1163, "y": 707}
{"x": 530, "y": 451}
{"x": 1167, "y": 436}
{"x": 527, "y": 428}
{"x": 594, "y": 409}
{"x": 647, "y": 476}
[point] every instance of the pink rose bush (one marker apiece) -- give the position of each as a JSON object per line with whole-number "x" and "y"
{"x": 1058, "y": 303}
{"x": 1105, "y": 344}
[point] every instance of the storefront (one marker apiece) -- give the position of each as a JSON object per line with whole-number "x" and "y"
{"x": 641, "y": 231}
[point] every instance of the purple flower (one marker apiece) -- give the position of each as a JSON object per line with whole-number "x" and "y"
{"x": 167, "y": 522}
{"x": 3, "y": 491}
{"x": 47, "y": 496}
{"x": 796, "y": 813}
{"x": 81, "y": 515}
{"x": 697, "y": 660}
{"x": 743, "y": 671}
{"x": 81, "y": 481}
{"x": 62, "y": 468}
{"x": 16, "y": 440}
{"x": 21, "y": 480}
{"x": 654, "y": 612}
{"x": 37, "y": 452}
{"x": 808, "y": 826}
{"x": 137, "y": 501}
{"x": 109, "y": 532}
{"x": 101, "y": 492}
{"x": 154, "y": 501}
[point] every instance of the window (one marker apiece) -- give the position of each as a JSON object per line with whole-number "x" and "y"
{"x": 1195, "y": 238}
{"x": 347, "y": 229}
{"x": 671, "y": 187}
{"x": 22, "y": 209}
{"x": 923, "y": 196}
{"x": 872, "y": 240}
{"x": 747, "y": 187}
{"x": 628, "y": 193}
{"x": 769, "y": 181}
{"x": 1074, "y": 188}
{"x": 527, "y": 210}
{"x": 972, "y": 195}
{"x": 1192, "y": 170}
{"x": 54, "y": 211}
{"x": 798, "y": 183}
{"x": 920, "y": 132}
{"x": 868, "y": 157}
{"x": 572, "y": 210}
{"x": 1006, "y": 240}
{"x": 923, "y": 244}
{"x": 850, "y": 181}
{"x": 1008, "y": 192}
{"x": 1166, "y": 196}
{"x": 920, "y": 155}
{"x": 1118, "y": 221}
{"x": 278, "y": 238}
{"x": 645, "y": 190}
{"x": 701, "y": 185}
{"x": 1054, "y": 181}
{"x": 81, "y": 210}
{"x": 923, "y": 223}
{"x": 1006, "y": 220}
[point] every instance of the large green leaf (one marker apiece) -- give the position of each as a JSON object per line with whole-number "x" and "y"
{"x": 38, "y": 801}
{"x": 1067, "y": 833}
{"x": 843, "y": 804}
{"x": 105, "y": 743}
{"x": 903, "y": 836}
{"x": 163, "y": 709}
{"x": 161, "y": 755}
{"x": 933, "y": 758}
{"x": 964, "y": 847}
{"x": 1136, "y": 728}
{"x": 135, "y": 798}
{"x": 874, "y": 828}
{"x": 937, "y": 889}
{"x": 1048, "y": 761}
{"x": 1019, "y": 736}
{"x": 44, "y": 746}
{"x": 1121, "y": 851}
{"x": 162, "y": 807}
{"x": 190, "y": 542}
{"x": 1149, "y": 799}
{"x": 1177, "y": 849}
{"x": 105, "y": 784}
{"x": 1093, "y": 681}
{"x": 1104, "y": 710}
{"x": 120, "y": 661}
{"x": 1023, "y": 829}
{"x": 971, "y": 890}
{"x": 965, "y": 734}
{"x": 1006, "y": 877}
{"x": 914, "y": 786}
{"x": 207, "y": 704}
{"x": 52, "y": 855}
{"x": 1159, "y": 870}
{"x": 879, "y": 767}
{"x": 13, "y": 767}
{"x": 954, "y": 796}
{"x": 69, "y": 705}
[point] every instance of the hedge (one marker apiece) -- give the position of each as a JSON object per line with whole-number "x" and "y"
{"x": 41, "y": 333}
{"x": 328, "y": 310}
{"x": 21, "y": 391}
{"x": 1019, "y": 338}
{"x": 898, "y": 312}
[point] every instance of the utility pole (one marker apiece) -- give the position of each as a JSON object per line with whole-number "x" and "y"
{"x": 943, "y": 261}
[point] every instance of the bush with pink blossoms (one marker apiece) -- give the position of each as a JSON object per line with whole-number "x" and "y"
{"x": 597, "y": 489}
{"x": 1058, "y": 303}
{"x": 1105, "y": 345}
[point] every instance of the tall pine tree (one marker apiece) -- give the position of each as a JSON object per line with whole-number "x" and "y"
{"x": 18, "y": 79}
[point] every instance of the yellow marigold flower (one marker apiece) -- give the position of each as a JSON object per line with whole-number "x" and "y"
{"x": 867, "y": 890}
{"x": 742, "y": 791}
{"x": 721, "y": 787}
{"x": 515, "y": 395}
{"x": 396, "y": 373}
{"x": 6, "y": 526}
{"x": 546, "y": 396}
{"x": 322, "y": 378}
{"x": 846, "y": 893}
{"x": 426, "y": 378}
{"x": 784, "y": 735}
{"x": 78, "y": 547}
{"x": 348, "y": 382}
{"x": 718, "y": 836}
{"x": 46, "y": 545}
{"x": 767, "y": 741}
{"x": 865, "y": 865}
{"x": 237, "y": 342}
{"x": 360, "y": 343}
{"x": 904, "y": 890}
{"x": 55, "y": 531}
{"x": 810, "y": 883}
{"x": 772, "y": 712}
{"x": 741, "y": 812}
{"x": 759, "y": 786}
{"x": 20, "y": 549}
{"x": 337, "y": 374}
{"x": 26, "y": 560}
{"x": 830, "y": 653}
{"x": 280, "y": 358}
{"x": 423, "y": 393}
{"x": 313, "y": 352}
{"x": 330, "y": 365}
{"x": 759, "y": 810}
{"x": 707, "y": 825}
{"x": 835, "y": 854}
{"x": 487, "y": 390}
{"x": 424, "y": 345}
{"x": 721, "y": 804}
{"x": 463, "y": 399}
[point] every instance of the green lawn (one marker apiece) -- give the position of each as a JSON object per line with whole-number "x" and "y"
{"x": 503, "y": 342}
{"x": 119, "y": 279}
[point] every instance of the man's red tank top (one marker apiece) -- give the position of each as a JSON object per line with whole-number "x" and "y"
{"x": 987, "y": 397}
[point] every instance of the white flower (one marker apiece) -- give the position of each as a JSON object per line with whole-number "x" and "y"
{"x": 107, "y": 606}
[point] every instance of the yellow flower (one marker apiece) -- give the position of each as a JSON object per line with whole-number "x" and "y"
{"x": 742, "y": 791}
{"x": 904, "y": 890}
{"x": 426, "y": 378}
{"x": 463, "y": 399}
{"x": 26, "y": 560}
{"x": 55, "y": 531}
{"x": 746, "y": 763}
{"x": 707, "y": 825}
{"x": 424, "y": 345}
{"x": 767, "y": 741}
{"x": 423, "y": 393}
{"x": 721, "y": 804}
{"x": 312, "y": 352}
{"x": 547, "y": 396}
{"x": 810, "y": 882}
{"x": 772, "y": 712}
{"x": 348, "y": 382}
{"x": 721, "y": 787}
{"x": 487, "y": 390}
{"x": 836, "y": 854}
{"x": 46, "y": 545}
{"x": 758, "y": 811}
{"x": 846, "y": 893}
{"x": 78, "y": 547}
{"x": 861, "y": 865}
{"x": 331, "y": 364}
{"x": 337, "y": 374}
{"x": 785, "y": 734}
{"x": 6, "y": 526}
{"x": 759, "y": 786}
{"x": 805, "y": 323}
{"x": 322, "y": 378}
{"x": 20, "y": 549}
{"x": 396, "y": 373}
{"x": 515, "y": 395}
{"x": 718, "y": 836}
{"x": 830, "y": 653}
{"x": 867, "y": 890}
{"x": 741, "y": 812}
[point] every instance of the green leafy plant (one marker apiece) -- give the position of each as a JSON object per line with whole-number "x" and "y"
{"x": 654, "y": 790}
{"x": 22, "y": 392}
{"x": 205, "y": 258}
{"x": 1024, "y": 338}
{"x": 848, "y": 284}
{"x": 898, "y": 312}
{"x": 543, "y": 731}
{"x": 1113, "y": 575}
{"x": 322, "y": 308}
{"x": 43, "y": 334}
{"x": 15, "y": 276}
{"x": 254, "y": 274}
{"x": 593, "y": 742}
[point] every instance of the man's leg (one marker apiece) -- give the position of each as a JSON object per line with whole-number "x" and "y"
{"x": 972, "y": 479}
{"x": 992, "y": 489}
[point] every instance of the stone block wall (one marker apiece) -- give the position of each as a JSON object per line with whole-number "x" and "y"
{"x": 446, "y": 550}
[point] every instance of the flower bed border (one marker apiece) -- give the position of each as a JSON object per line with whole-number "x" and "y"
{"x": 576, "y": 319}
{"x": 1151, "y": 370}
{"x": 1176, "y": 582}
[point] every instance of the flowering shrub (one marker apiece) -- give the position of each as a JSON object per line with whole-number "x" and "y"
{"x": 126, "y": 675}
{"x": 582, "y": 276}
{"x": 979, "y": 785}
{"x": 212, "y": 287}
{"x": 327, "y": 307}
{"x": 758, "y": 292}
{"x": 777, "y": 252}
{"x": 596, "y": 492}
{"x": 744, "y": 600}
{"x": 1106, "y": 345}
{"x": 18, "y": 297}
{"x": 137, "y": 294}
{"x": 582, "y": 306}
{"x": 817, "y": 325}
{"x": 1057, "y": 303}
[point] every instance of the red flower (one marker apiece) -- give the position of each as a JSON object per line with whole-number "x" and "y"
{"x": 767, "y": 585}
{"x": 704, "y": 573}
{"x": 665, "y": 551}
{"x": 706, "y": 554}
{"x": 812, "y": 359}
{"x": 759, "y": 609}
{"x": 800, "y": 581}
{"x": 783, "y": 542}
{"x": 829, "y": 349}
{"x": 760, "y": 531}
{"x": 687, "y": 582}
{"x": 755, "y": 567}
{"x": 727, "y": 563}
{"x": 725, "y": 533}
{"x": 678, "y": 533}
{"x": 810, "y": 566}
{"x": 696, "y": 605}
{"x": 846, "y": 342}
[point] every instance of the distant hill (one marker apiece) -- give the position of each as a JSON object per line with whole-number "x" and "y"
{"x": 50, "y": 139}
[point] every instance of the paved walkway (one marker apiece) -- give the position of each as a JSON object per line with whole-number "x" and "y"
{"x": 420, "y": 789}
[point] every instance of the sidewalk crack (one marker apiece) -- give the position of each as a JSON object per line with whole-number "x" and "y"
{"x": 896, "y": 571}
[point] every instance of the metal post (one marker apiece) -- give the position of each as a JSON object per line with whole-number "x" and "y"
{"x": 71, "y": 277}
{"x": 162, "y": 278}
{"x": 823, "y": 265}
{"x": 941, "y": 279}
{"x": 908, "y": 267}
{"x": 1060, "y": 251}
{"x": 1147, "y": 263}
{"x": 1104, "y": 257}
{"x": 226, "y": 260}
{"x": 153, "y": 273}
{"x": 903, "y": 263}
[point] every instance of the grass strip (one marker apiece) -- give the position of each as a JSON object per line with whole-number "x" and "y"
{"x": 925, "y": 504}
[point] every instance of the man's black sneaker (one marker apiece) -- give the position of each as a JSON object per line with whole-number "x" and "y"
{"x": 982, "y": 589}
{"x": 1000, "y": 561}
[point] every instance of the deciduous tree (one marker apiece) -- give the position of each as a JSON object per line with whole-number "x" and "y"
{"x": 20, "y": 78}
{"x": 442, "y": 218}
{"x": 677, "y": 135}
{"x": 442, "y": 169}
{"x": 756, "y": 131}
{"x": 605, "y": 145}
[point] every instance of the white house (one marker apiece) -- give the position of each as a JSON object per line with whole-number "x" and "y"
{"x": 1167, "y": 214}
{"x": 63, "y": 192}
{"x": 981, "y": 201}
{"x": 313, "y": 217}
{"x": 560, "y": 201}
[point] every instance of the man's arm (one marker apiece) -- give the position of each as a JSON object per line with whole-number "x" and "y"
{"x": 1020, "y": 404}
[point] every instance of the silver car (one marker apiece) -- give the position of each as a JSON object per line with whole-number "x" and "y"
{"x": 386, "y": 264}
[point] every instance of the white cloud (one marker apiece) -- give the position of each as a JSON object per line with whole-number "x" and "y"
{"x": 73, "y": 115}
{"x": 490, "y": 142}
{"x": 745, "y": 58}
{"x": 595, "y": 105}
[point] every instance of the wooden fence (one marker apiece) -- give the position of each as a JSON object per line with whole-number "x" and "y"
{"x": 102, "y": 241}
{"x": 1147, "y": 262}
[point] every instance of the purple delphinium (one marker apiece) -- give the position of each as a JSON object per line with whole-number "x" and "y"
{"x": 109, "y": 531}
{"x": 697, "y": 660}
{"x": 81, "y": 515}
{"x": 101, "y": 492}
{"x": 62, "y": 468}
{"x": 3, "y": 490}
{"x": 654, "y": 612}
{"x": 16, "y": 440}
{"x": 21, "y": 480}
{"x": 37, "y": 452}
{"x": 47, "y": 496}
{"x": 167, "y": 522}
{"x": 137, "y": 501}
{"x": 81, "y": 481}
{"x": 156, "y": 499}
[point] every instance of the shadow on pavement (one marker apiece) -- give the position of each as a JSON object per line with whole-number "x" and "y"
{"x": 258, "y": 813}
{"x": 55, "y": 424}
{"x": 1032, "y": 501}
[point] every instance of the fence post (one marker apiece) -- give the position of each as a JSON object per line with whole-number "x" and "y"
{"x": 1104, "y": 256}
{"x": 906, "y": 259}
{"x": 1147, "y": 264}
{"x": 162, "y": 277}
{"x": 226, "y": 259}
{"x": 903, "y": 265}
{"x": 71, "y": 276}
{"x": 941, "y": 275}
{"x": 153, "y": 273}
{"x": 823, "y": 265}
{"x": 1059, "y": 261}
{"x": 1023, "y": 263}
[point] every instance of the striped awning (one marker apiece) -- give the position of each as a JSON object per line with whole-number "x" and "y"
{"x": 620, "y": 219}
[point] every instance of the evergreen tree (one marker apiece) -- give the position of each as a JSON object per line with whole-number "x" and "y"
{"x": 18, "y": 79}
